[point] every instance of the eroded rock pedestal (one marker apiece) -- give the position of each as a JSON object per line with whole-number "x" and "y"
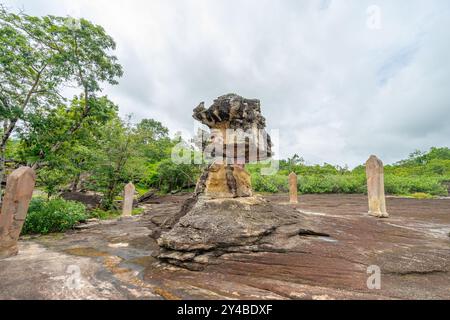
{"x": 214, "y": 227}
{"x": 223, "y": 215}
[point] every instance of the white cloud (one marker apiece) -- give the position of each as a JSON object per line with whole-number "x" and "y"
{"x": 337, "y": 90}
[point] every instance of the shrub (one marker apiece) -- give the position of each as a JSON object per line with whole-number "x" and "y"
{"x": 272, "y": 184}
{"x": 350, "y": 183}
{"x": 332, "y": 184}
{"x": 168, "y": 176}
{"x": 56, "y": 215}
{"x": 111, "y": 214}
{"x": 415, "y": 184}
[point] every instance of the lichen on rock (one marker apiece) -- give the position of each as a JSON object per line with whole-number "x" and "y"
{"x": 238, "y": 137}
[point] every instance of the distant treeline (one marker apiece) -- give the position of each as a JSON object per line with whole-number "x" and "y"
{"x": 422, "y": 174}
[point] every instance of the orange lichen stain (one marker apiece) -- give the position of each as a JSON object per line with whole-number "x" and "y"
{"x": 112, "y": 264}
{"x": 86, "y": 252}
{"x": 166, "y": 295}
{"x": 145, "y": 261}
{"x": 128, "y": 276}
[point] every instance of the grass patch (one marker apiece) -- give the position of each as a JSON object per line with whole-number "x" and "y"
{"x": 422, "y": 195}
{"x": 104, "y": 214}
{"x": 112, "y": 214}
{"x": 137, "y": 211}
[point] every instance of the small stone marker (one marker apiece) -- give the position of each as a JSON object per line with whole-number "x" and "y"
{"x": 293, "y": 196}
{"x": 18, "y": 193}
{"x": 128, "y": 200}
{"x": 375, "y": 187}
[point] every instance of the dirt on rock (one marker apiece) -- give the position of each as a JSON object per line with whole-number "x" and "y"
{"x": 114, "y": 259}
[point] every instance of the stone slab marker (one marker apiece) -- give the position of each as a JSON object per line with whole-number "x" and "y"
{"x": 18, "y": 193}
{"x": 293, "y": 196}
{"x": 375, "y": 187}
{"x": 128, "y": 199}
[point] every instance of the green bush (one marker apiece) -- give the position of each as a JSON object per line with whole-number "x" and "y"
{"x": 168, "y": 176}
{"x": 418, "y": 184}
{"x": 271, "y": 184}
{"x": 56, "y": 215}
{"x": 319, "y": 184}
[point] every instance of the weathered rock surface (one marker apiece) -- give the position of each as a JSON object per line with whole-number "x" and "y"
{"x": 216, "y": 226}
{"x": 90, "y": 200}
{"x": 234, "y": 111}
{"x": 18, "y": 193}
{"x": 411, "y": 248}
{"x": 227, "y": 181}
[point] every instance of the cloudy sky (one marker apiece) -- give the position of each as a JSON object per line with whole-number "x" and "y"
{"x": 339, "y": 79}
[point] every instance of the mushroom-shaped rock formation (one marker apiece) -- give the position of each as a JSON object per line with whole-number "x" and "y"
{"x": 238, "y": 137}
{"x": 223, "y": 215}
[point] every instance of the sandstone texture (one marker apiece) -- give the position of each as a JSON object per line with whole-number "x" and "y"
{"x": 214, "y": 227}
{"x": 18, "y": 193}
{"x": 115, "y": 258}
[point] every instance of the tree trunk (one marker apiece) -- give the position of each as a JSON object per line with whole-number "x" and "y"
{"x": 2, "y": 162}
{"x": 74, "y": 187}
{"x": 108, "y": 201}
{"x": 8, "y": 129}
{"x": 2, "y": 169}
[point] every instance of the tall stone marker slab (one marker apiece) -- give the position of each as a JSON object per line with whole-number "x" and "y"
{"x": 375, "y": 187}
{"x": 293, "y": 196}
{"x": 18, "y": 193}
{"x": 128, "y": 200}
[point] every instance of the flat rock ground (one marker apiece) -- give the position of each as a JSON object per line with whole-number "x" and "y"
{"x": 112, "y": 260}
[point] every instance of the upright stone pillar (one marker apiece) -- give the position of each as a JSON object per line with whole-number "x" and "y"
{"x": 375, "y": 187}
{"x": 293, "y": 196}
{"x": 18, "y": 193}
{"x": 128, "y": 198}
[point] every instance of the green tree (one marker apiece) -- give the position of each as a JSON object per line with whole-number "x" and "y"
{"x": 119, "y": 161}
{"x": 76, "y": 153}
{"x": 29, "y": 75}
{"x": 168, "y": 176}
{"x": 38, "y": 56}
{"x": 154, "y": 140}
